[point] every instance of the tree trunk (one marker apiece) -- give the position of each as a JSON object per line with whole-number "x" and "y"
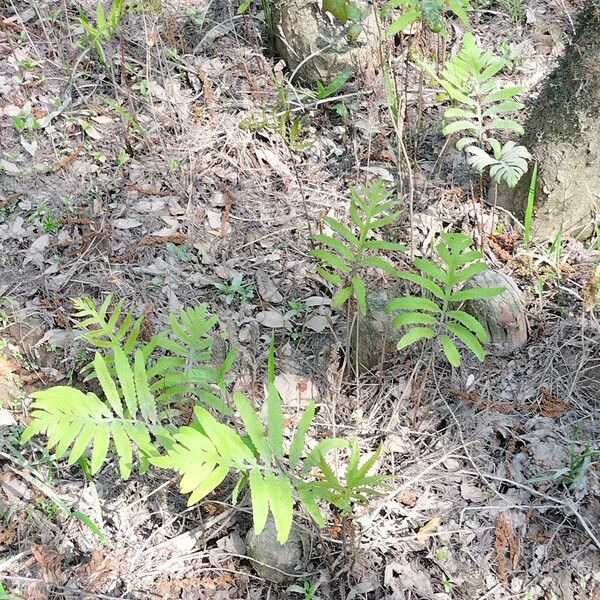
{"x": 563, "y": 135}
{"x": 316, "y": 44}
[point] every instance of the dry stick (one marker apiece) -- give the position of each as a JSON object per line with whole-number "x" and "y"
{"x": 34, "y": 47}
{"x": 569, "y": 505}
{"x": 398, "y": 123}
{"x": 478, "y": 223}
{"x": 4, "y": 28}
{"x": 422, "y": 386}
{"x": 74, "y": 591}
{"x": 301, "y": 188}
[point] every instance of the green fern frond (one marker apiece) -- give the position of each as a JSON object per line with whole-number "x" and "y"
{"x": 72, "y": 419}
{"x": 107, "y": 328}
{"x": 343, "y": 260}
{"x": 479, "y": 110}
{"x": 431, "y": 12}
{"x": 440, "y": 317}
{"x": 184, "y": 368}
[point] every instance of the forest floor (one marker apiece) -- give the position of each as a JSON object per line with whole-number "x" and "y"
{"x": 150, "y": 187}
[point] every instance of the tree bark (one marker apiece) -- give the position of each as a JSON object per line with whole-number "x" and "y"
{"x": 563, "y": 136}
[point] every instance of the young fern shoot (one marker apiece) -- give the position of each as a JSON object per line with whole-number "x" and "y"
{"x": 440, "y": 316}
{"x": 129, "y": 420}
{"x": 343, "y": 260}
{"x": 206, "y": 451}
{"x": 182, "y": 370}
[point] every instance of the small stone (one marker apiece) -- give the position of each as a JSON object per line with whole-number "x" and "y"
{"x": 279, "y": 563}
{"x": 451, "y": 464}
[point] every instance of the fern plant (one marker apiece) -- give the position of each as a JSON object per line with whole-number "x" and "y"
{"x": 429, "y": 11}
{"x": 357, "y": 485}
{"x": 129, "y": 420}
{"x": 184, "y": 366}
{"x": 343, "y": 260}
{"x": 479, "y": 112}
{"x": 128, "y": 416}
{"x": 207, "y": 451}
{"x": 440, "y": 316}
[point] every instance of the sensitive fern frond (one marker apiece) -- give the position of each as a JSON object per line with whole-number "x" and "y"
{"x": 127, "y": 415}
{"x": 479, "y": 111}
{"x": 440, "y": 316}
{"x": 344, "y": 259}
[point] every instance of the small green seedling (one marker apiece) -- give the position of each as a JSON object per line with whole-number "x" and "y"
{"x": 529, "y": 208}
{"x": 325, "y": 91}
{"x": 430, "y": 12}
{"x": 237, "y": 290}
{"x": 343, "y": 260}
{"x": 478, "y": 114}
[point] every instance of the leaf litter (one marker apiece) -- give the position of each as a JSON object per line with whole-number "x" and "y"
{"x": 476, "y": 469}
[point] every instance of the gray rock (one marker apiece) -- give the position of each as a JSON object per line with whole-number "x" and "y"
{"x": 279, "y": 563}
{"x": 503, "y": 317}
{"x": 316, "y": 40}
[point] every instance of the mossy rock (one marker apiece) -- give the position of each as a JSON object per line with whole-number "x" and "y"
{"x": 279, "y": 563}
{"x": 319, "y": 45}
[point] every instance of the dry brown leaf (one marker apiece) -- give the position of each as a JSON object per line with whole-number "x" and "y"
{"x": 7, "y": 367}
{"x": 428, "y": 529}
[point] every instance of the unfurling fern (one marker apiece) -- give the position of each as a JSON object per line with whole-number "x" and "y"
{"x": 345, "y": 259}
{"x": 430, "y": 11}
{"x": 184, "y": 366}
{"x": 468, "y": 79}
{"x": 128, "y": 416}
{"x": 440, "y": 316}
{"x": 206, "y": 451}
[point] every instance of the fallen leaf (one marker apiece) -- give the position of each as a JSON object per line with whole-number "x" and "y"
{"x": 29, "y": 146}
{"x": 13, "y": 487}
{"x": 126, "y": 223}
{"x": 295, "y": 389}
{"x": 7, "y": 367}
{"x": 268, "y": 290}
{"x": 271, "y": 318}
{"x": 6, "y": 418}
{"x": 316, "y": 323}
{"x": 428, "y": 529}
{"x": 473, "y": 493}
{"x": 214, "y": 218}
{"x": 103, "y": 120}
{"x": 9, "y": 167}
